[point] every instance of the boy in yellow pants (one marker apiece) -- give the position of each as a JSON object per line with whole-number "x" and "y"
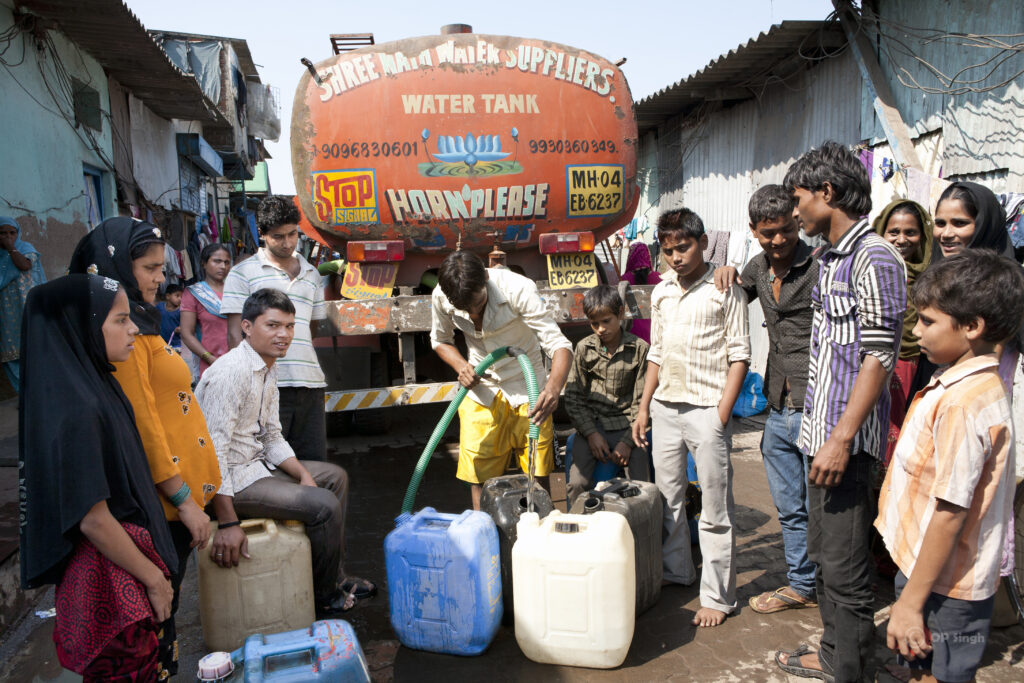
{"x": 494, "y": 307}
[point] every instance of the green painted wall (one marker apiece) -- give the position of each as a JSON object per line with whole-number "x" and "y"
{"x": 41, "y": 182}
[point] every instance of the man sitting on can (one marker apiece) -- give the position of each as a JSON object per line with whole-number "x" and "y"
{"x": 261, "y": 475}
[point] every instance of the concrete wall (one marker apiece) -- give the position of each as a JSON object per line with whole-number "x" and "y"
{"x": 155, "y": 154}
{"x": 41, "y": 181}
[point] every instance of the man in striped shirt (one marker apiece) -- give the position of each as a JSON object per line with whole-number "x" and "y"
{"x": 858, "y": 317}
{"x": 279, "y": 266}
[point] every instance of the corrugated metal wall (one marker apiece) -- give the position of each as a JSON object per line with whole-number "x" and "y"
{"x": 714, "y": 166}
{"x": 982, "y": 130}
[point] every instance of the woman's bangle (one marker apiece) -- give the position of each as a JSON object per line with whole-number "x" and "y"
{"x": 207, "y": 356}
{"x": 228, "y": 525}
{"x": 181, "y": 496}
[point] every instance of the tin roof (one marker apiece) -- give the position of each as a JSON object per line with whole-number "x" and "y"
{"x": 115, "y": 37}
{"x": 743, "y": 72}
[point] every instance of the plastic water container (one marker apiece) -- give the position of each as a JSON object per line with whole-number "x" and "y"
{"x": 326, "y": 651}
{"x": 640, "y": 503}
{"x": 268, "y": 593}
{"x": 504, "y": 499}
{"x": 575, "y": 588}
{"x": 444, "y": 581}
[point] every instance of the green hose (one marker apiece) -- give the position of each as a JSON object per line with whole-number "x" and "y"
{"x": 442, "y": 426}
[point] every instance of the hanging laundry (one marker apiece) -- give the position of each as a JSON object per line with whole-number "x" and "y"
{"x": 718, "y": 248}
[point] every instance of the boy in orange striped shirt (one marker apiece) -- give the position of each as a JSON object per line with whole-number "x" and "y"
{"x": 948, "y": 494}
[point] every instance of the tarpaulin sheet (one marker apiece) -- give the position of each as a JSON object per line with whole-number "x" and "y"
{"x": 201, "y": 58}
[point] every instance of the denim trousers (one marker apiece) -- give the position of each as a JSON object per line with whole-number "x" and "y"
{"x": 322, "y": 509}
{"x": 839, "y": 519}
{"x": 786, "y": 469}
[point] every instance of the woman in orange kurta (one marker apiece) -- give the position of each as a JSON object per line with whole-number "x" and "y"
{"x": 157, "y": 383}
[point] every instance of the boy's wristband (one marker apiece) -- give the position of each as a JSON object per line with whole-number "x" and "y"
{"x": 228, "y": 525}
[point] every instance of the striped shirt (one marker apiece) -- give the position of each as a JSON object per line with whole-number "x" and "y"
{"x": 956, "y": 445}
{"x": 514, "y": 316}
{"x": 605, "y": 389}
{"x": 238, "y": 395}
{"x": 858, "y": 311}
{"x": 300, "y": 367}
{"x": 695, "y": 334}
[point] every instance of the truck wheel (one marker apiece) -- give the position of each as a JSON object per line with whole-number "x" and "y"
{"x": 375, "y": 420}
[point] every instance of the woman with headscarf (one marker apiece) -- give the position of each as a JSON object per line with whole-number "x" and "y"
{"x": 158, "y": 382}
{"x": 908, "y": 227}
{"x": 20, "y": 271}
{"x": 96, "y": 530}
{"x": 639, "y": 272}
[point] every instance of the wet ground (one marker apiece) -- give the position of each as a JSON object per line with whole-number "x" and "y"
{"x": 666, "y": 647}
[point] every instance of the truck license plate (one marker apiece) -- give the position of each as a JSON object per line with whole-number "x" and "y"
{"x": 566, "y": 271}
{"x": 369, "y": 280}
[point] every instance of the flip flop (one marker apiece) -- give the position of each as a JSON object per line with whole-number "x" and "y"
{"x": 782, "y": 602}
{"x": 364, "y": 587}
{"x": 801, "y": 671}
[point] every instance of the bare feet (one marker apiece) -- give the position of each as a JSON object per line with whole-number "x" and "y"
{"x": 707, "y": 616}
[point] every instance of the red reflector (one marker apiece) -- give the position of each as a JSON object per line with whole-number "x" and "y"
{"x": 383, "y": 251}
{"x": 566, "y": 242}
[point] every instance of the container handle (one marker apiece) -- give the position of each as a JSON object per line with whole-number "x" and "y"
{"x": 257, "y": 525}
{"x": 284, "y": 650}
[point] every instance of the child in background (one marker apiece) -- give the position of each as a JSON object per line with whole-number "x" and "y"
{"x": 781, "y": 278}
{"x": 640, "y": 272}
{"x": 170, "y": 316}
{"x": 947, "y": 500}
{"x": 700, "y": 349}
{"x": 603, "y": 393}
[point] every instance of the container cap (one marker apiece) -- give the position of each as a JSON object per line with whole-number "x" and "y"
{"x": 215, "y": 666}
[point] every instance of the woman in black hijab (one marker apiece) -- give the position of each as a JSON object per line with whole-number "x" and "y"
{"x": 969, "y": 216}
{"x": 157, "y": 383}
{"x": 90, "y": 520}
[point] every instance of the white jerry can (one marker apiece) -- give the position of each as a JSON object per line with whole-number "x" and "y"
{"x": 574, "y": 583}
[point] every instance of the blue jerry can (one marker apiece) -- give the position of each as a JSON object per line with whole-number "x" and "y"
{"x": 444, "y": 581}
{"x": 326, "y": 651}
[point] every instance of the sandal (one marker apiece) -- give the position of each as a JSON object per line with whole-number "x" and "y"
{"x": 337, "y": 604}
{"x": 796, "y": 669}
{"x": 364, "y": 588}
{"x": 777, "y": 601}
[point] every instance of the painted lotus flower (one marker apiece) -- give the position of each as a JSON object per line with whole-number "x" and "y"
{"x": 469, "y": 149}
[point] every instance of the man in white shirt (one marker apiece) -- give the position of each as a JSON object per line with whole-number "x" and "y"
{"x": 279, "y": 266}
{"x": 260, "y": 474}
{"x": 494, "y": 307}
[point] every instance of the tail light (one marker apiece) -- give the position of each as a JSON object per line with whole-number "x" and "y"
{"x": 566, "y": 242}
{"x": 383, "y": 251}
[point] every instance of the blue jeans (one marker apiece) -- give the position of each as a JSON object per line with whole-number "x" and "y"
{"x": 786, "y": 468}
